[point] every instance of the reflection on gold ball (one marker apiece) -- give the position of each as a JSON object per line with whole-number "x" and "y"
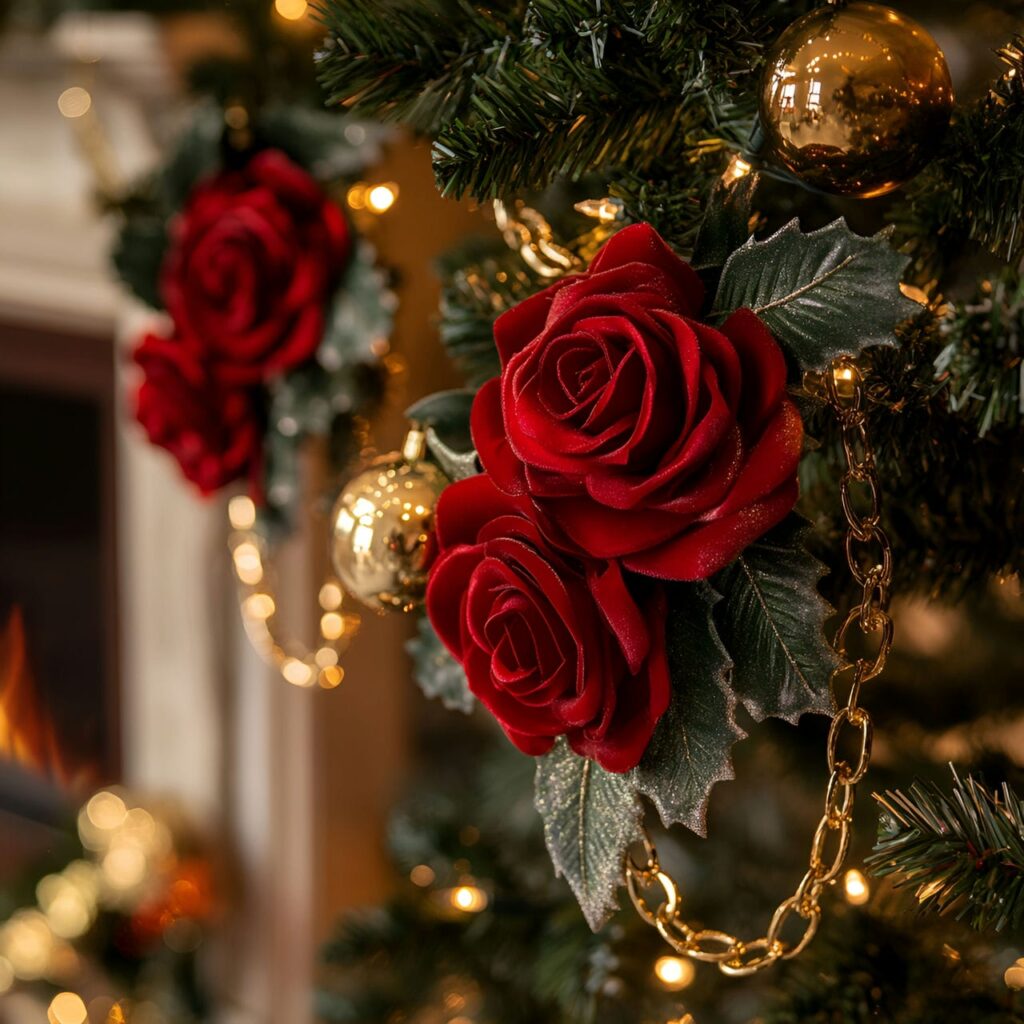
{"x": 381, "y": 527}
{"x": 855, "y": 99}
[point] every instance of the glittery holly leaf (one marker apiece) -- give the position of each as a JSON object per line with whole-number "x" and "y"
{"x": 445, "y": 415}
{"x": 591, "y": 817}
{"x": 824, "y": 294}
{"x": 772, "y": 624}
{"x": 726, "y": 224}
{"x": 438, "y": 674}
{"x": 692, "y": 747}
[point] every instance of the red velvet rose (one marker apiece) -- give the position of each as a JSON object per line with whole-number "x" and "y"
{"x": 638, "y": 432}
{"x": 550, "y": 645}
{"x": 214, "y": 432}
{"x": 254, "y": 256}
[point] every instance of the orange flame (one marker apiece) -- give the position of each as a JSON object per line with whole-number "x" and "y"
{"x": 27, "y": 735}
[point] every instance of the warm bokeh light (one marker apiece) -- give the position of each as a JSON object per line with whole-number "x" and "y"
{"x": 856, "y": 887}
{"x": 297, "y": 672}
{"x": 381, "y": 198}
{"x": 330, "y": 677}
{"x": 248, "y": 564}
{"x": 106, "y": 810}
{"x": 74, "y": 102}
{"x": 422, "y": 875}
{"x": 242, "y": 512}
{"x": 291, "y": 10}
{"x": 673, "y": 972}
{"x": 259, "y": 606}
{"x": 332, "y": 625}
{"x": 27, "y": 944}
{"x": 468, "y": 898}
{"x": 6, "y": 975}
{"x": 67, "y": 1008}
{"x": 124, "y": 866}
{"x": 331, "y": 597}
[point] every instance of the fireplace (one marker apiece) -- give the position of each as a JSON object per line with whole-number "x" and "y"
{"x": 59, "y": 732}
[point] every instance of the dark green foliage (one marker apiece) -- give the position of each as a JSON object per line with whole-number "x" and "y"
{"x": 961, "y": 853}
{"x": 981, "y": 364}
{"x": 824, "y": 294}
{"x": 479, "y": 281}
{"x": 952, "y": 501}
{"x": 439, "y": 675}
{"x": 591, "y": 818}
{"x": 975, "y": 188}
{"x": 772, "y": 624}
{"x": 518, "y": 94}
{"x": 865, "y": 969}
{"x": 692, "y": 746}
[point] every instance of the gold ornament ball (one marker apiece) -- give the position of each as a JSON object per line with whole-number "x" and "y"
{"x": 381, "y": 527}
{"x": 1014, "y": 976}
{"x": 855, "y": 99}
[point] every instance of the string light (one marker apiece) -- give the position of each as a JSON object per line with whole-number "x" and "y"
{"x": 858, "y": 892}
{"x": 468, "y": 898}
{"x": 738, "y": 168}
{"x": 300, "y": 666}
{"x": 291, "y": 10}
{"x": 74, "y": 102}
{"x": 376, "y": 199}
{"x": 674, "y": 972}
{"x": 67, "y": 1008}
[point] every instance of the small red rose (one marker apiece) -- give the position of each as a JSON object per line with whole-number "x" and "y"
{"x": 551, "y": 646}
{"x": 254, "y": 257}
{"x": 213, "y": 431}
{"x": 638, "y": 432}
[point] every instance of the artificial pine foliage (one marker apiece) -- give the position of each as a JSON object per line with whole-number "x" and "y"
{"x": 961, "y": 853}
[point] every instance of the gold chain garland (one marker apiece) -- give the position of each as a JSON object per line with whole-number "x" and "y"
{"x": 843, "y": 388}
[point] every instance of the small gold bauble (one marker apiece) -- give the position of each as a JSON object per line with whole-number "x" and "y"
{"x": 855, "y": 99}
{"x": 1014, "y": 976}
{"x": 381, "y": 527}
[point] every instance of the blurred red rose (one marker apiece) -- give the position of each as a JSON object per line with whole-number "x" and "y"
{"x": 550, "y": 646}
{"x": 254, "y": 257}
{"x": 212, "y": 430}
{"x": 638, "y": 432}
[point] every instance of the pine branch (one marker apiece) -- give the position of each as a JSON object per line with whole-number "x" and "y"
{"x": 519, "y": 96}
{"x": 408, "y": 61}
{"x": 975, "y": 188}
{"x": 864, "y": 968}
{"x": 480, "y": 281}
{"x": 981, "y": 363}
{"x": 962, "y": 853}
{"x": 951, "y": 499}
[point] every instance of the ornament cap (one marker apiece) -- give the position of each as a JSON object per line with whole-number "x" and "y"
{"x": 414, "y": 447}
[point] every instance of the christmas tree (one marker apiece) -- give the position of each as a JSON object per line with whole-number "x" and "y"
{"x": 818, "y": 173}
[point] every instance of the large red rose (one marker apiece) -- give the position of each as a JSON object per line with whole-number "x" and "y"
{"x": 550, "y": 645}
{"x": 638, "y": 432}
{"x": 213, "y": 431}
{"x": 254, "y": 257}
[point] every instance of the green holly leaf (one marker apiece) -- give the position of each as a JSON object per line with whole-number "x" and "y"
{"x": 438, "y": 674}
{"x": 456, "y": 465}
{"x": 591, "y": 818}
{"x": 824, "y": 294}
{"x": 139, "y": 254}
{"x": 726, "y": 224}
{"x": 692, "y": 746}
{"x": 771, "y": 621}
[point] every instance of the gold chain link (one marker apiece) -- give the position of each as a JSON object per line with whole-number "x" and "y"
{"x": 869, "y": 556}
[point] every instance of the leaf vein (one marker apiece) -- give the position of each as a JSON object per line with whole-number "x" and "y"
{"x": 814, "y": 283}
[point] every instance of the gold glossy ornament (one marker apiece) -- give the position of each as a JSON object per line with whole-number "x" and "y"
{"x": 381, "y": 527}
{"x": 855, "y": 99}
